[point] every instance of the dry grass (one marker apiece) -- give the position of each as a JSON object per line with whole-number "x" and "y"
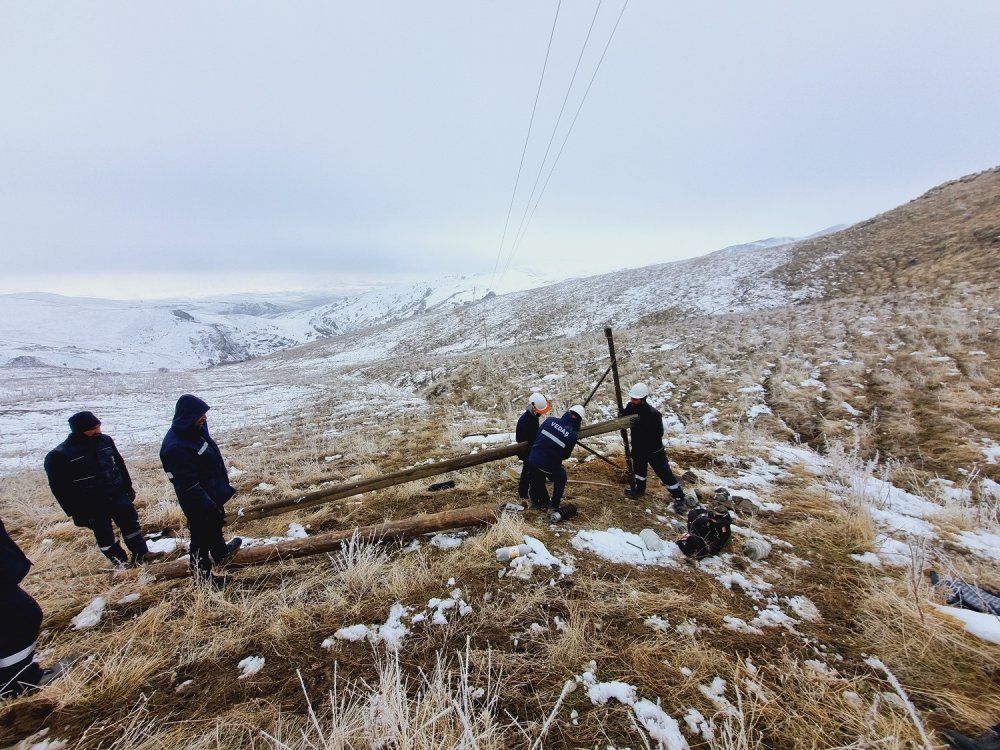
{"x": 881, "y": 386}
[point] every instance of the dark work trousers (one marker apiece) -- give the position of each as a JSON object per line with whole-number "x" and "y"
{"x": 538, "y": 490}
{"x": 206, "y": 542}
{"x": 19, "y": 625}
{"x": 123, "y": 513}
{"x": 657, "y": 461}
{"x": 522, "y": 485}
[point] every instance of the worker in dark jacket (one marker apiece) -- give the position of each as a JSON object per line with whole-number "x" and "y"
{"x": 555, "y": 442}
{"x": 19, "y": 625}
{"x": 194, "y": 465}
{"x": 92, "y": 485}
{"x": 647, "y": 448}
{"x": 526, "y": 432}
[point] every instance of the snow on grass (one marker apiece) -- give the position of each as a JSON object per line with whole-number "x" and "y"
{"x": 888, "y": 552}
{"x": 391, "y": 632}
{"x": 352, "y": 633}
{"x": 982, "y": 543}
{"x": 539, "y": 556}
{"x": 773, "y": 617}
{"x": 250, "y": 666}
{"x": 721, "y": 568}
{"x": 979, "y": 624}
{"x": 445, "y": 541}
{"x": 657, "y": 623}
{"x": 740, "y": 626}
{"x": 662, "y": 727}
{"x": 992, "y": 452}
{"x": 803, "y": 607}
{"x": 90, "y": 616}
{"x": 790, "y": 455}
{"x": 888, "y": 498}
{"x": 621, "y": 546}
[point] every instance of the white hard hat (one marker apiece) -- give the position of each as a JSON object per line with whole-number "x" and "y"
{"x": 578, "y": 410}
{"x": 538, "y": 401}
{"x": 639, "y": 390}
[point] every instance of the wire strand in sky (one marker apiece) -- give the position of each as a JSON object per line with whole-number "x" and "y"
{"x": 520, "y": 237}
{"x": 527, "y": 136}
{"x": 552, "y": 137}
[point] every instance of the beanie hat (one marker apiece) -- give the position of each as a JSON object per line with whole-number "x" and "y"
{"x": 83, "y": 421}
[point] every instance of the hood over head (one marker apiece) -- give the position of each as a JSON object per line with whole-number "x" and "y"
{"x": 187, "y": 411}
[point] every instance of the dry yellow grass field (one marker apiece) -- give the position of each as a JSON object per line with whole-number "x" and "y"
{"x": 894, "y": 380}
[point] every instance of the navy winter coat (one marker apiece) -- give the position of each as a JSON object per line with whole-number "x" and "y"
{"x": 555, "y": 442}
{"x": 13, "y": 562}
{"x": 193, "y": 462}
{"x": 526, "y": 432}
{"x": 647, "y": 433}
{"x": 86, "y": 474}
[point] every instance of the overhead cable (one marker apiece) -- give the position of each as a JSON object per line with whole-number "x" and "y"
{"x": 527, "y": 136}
{"x": 517, "y": 240}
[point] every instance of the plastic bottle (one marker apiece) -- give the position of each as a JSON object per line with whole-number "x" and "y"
{"x": 651, "y": 540}
{"x": 505, "y": 554}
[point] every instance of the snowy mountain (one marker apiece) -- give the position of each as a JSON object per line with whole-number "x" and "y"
{"x": 47, "y": 330}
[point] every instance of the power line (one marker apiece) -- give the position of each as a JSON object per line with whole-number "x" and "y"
{"x": 517, "y": 240}
{"x": 527, "y": 136}
{"x": 555, "y": 129}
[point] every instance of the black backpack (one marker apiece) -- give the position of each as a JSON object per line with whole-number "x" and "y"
{"x": 708, "y": 533}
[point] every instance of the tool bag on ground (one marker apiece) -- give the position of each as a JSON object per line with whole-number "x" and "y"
{"x": 708, "y": 533}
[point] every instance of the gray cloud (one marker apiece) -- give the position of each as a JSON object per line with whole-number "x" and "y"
{"x": 310, "y": 137}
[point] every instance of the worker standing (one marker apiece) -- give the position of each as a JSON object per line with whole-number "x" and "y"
{"x": 526, "y": 432}
{"x": 647, "y": 448}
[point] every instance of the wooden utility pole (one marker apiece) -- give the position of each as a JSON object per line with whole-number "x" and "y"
{"x": 423, "y": 471}
{"x": 621, "y": 405}
{"x": 406, "y": 528}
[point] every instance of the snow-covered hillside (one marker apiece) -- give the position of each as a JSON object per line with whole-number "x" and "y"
{"x": 452, "y": 313}
{"x": 46, "y": 330}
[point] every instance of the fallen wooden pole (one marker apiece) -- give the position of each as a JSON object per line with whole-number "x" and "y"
{"x": 406, "y": 528}
{"x": 423, "y": 471}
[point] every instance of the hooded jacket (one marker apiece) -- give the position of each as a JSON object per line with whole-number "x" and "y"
{"x": 86, "y": 474}
{"x": 526, "y": 432}
{"x": 555, "y": 442}
{"x": 647, "y": 433}
{"x": 193, "y": 462}
{"x": 14, "y": 564}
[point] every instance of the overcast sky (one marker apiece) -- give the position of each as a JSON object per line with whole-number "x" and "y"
{"x": 181, "y": 148}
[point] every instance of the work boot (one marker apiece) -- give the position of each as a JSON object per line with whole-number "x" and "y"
{"x": 638, "y": 491}
{"x": 232, "y": 548}
{"x": 680, "y": 506}
{"x": 220, "y": 582}
{"x": 147, "y": 557}
{"x": 46, "y": 675}
{"x": 116, "y": 555}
